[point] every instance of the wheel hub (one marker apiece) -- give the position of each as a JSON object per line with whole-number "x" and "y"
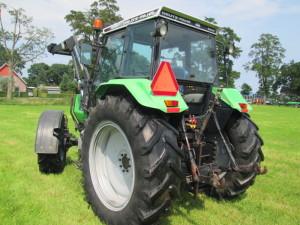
{"x": 124, "y": 162}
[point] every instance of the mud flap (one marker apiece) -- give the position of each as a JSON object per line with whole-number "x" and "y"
{"x": 47, "y": 141}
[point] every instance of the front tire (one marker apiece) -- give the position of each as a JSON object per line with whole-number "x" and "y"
{"x": 49, "y": 129}
{"x": 131, "y": 163}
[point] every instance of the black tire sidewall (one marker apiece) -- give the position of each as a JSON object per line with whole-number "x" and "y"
{"x": 129, "y": 122}
{"x": 242, "y": 134}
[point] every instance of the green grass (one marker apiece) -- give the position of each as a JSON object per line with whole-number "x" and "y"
{"x": 29, "y": 197}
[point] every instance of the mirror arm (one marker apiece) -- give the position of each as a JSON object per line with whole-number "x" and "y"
{"x": 221, "y": 43}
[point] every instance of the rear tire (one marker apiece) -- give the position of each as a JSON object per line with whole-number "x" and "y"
{"x": 130, "y": 162}
{"x": 242, "y": 134}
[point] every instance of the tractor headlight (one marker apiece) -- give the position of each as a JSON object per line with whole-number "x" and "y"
{"x": 161, "y": 28}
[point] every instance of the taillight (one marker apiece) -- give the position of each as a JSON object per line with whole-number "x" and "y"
{"x": 244, "y": 107}
{"x": 171, "y": 103}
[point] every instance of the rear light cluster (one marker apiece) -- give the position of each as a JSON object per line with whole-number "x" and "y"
{"x": 244, "y": 107}
{"x": 171, "y": 103}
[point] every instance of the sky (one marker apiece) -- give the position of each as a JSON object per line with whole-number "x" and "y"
{"x": 248, "y": 18}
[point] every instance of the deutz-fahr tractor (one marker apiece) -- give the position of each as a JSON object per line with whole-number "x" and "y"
{"x": 152, "y": 119}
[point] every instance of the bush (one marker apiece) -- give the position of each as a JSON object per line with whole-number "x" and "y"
{"x": 64, "y": 95}
{"x": 3, "y": 83}
{"x": 35, "y": 92}
{"x": 24, "y": 94}
{"x": 42, "y": 93}
{"x": 15, "y": 94}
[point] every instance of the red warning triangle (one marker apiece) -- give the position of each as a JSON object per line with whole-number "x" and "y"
{"x": 164, "y": 81}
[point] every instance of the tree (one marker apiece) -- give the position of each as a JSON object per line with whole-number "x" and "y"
{"x": 3, "y": 83}
{"x": 267, "y": 56}
{"x": 23, "y": 43}
{"x": 43, "y": 74}
{"x": 81, "y": 22}
{"x": 289, "y": 79}
{"x": 56, "y": 73}
{"x": 275, "y": 97}
{"x": 260, "y": 92}
{"x": 37, "y": 74}
{"x": 226, "y": 35}
{"x": 67, "y": 84}
{"x": 246, "y": 89}
{"x": 4, "y": 58}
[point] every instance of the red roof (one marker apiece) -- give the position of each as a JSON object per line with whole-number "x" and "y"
{"x": 4, "y": 72}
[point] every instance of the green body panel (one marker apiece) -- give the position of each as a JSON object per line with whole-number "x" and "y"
{"x": 232, "y": 97}
{"x": 293, "y": 103}
{"x": 140, "y": 89}
{"x": 76, "y": 111}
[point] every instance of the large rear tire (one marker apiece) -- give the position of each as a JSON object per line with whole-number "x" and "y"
{"x": 242, "y": 134}
{"x": 130, "y": 162}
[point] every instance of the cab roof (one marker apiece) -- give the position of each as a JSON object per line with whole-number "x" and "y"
{"x": 167, "y": 13}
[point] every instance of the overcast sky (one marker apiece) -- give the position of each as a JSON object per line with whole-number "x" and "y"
{"x": 248, "y": 18}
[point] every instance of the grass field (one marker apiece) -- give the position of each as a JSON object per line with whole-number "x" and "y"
{"x": 29, "y": 197}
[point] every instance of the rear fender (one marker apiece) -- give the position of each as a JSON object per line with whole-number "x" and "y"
{"x": 140, "y": 89}
{"x": 46, "y": 142}
{"x": 233, "y": 98}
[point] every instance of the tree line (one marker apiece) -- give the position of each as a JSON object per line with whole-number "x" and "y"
{"x": 265, "y": 55}
{"x": 287, "y": 80}
{"x": 41, "y": 74}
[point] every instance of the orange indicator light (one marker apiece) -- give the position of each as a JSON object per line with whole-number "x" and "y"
{"x": 171, "y": 103}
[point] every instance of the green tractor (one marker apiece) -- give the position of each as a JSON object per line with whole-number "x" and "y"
{"x": 152, "y": 119}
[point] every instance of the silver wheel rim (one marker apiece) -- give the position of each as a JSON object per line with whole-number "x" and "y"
{"x": 111, "y": 166}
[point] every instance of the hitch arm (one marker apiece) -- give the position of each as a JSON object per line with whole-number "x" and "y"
{"x": 191, "y": 156}
{"x": 229, "y": 152}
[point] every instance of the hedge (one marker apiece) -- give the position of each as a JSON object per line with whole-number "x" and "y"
{"x": 41, "y": 94}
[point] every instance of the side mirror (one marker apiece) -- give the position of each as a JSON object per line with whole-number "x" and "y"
{"x": 86, "y": 54}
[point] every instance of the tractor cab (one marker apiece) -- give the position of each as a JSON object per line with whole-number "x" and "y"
{"x": 134, "y": 48}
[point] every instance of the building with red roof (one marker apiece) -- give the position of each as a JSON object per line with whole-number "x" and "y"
{"x": 19, "y": 83}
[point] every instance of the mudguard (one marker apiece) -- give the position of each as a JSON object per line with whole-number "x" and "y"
{"x": 46, "y": 142}
{"x": 234, "y": 99}
{"x": 140, "y": 89}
